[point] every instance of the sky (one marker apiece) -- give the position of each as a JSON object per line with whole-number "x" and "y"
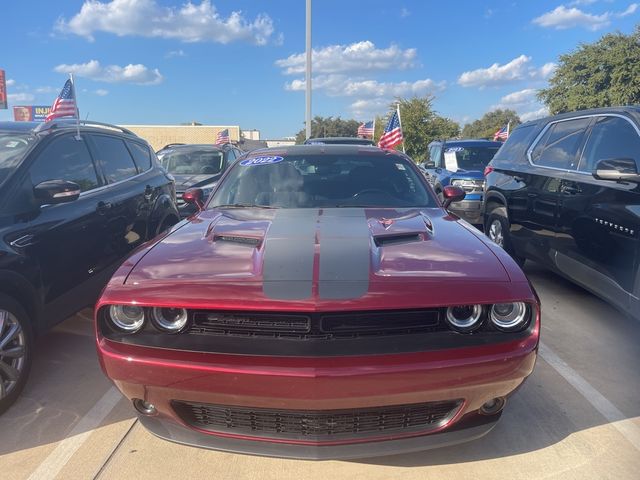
{"x": 241, "y": 62}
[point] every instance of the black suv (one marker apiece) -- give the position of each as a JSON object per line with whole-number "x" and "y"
{"x": 71, "y": 208}
{"x": 565, "y": 191}
{"x": 196, "y": 166}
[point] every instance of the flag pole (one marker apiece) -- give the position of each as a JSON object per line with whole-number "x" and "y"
{"x": 400, "y": 122}
{"x": 75, "y": 101}
{"x": 373, "y": 134}
{"x": 508, "y": 126}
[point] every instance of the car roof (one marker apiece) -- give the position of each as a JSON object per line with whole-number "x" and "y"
{"x": 193, "y": 146}
{"x": 340, "y": 140}
{"x": 324, "y": 149}
{"x": 630, "y": 110}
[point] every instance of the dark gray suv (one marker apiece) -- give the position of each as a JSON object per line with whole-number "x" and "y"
{"x": 565, "y": 191}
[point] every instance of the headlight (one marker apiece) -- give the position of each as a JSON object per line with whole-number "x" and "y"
{"x": 509, "y": 316}
{"x": 464, "y": 318}
{"x": 169, "y": 319}
{"x": 128, "y": 318}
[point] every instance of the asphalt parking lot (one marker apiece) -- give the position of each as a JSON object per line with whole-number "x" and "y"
{"x": 578, "y": 416}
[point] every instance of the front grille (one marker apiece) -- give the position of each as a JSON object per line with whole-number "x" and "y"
{"x": 307, "y": 326}
{"x": 179, "y": 201}
{"x": 316, "y": 425}
{"x": 470, "y": 186}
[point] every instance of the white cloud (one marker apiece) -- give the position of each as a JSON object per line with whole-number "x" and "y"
{"x": 563, "y": 17}
{"x": 356, "y": 57}
{"x": 20, "y": 97}
{"x": 11, "y": 82}
{"x": 43, "y": 90}
{"x": 519, "y": 68}
{"x": 101, "y": 92}
{"x": 525, "y": 103}
{"x": 175, "y": 53}
{"x": 138, "y": 73}
{"x": 369, "y": 108}
{"x": 191, "y": 22}
{"x": 343, "y": 86}
{"x": 404, "y": 12}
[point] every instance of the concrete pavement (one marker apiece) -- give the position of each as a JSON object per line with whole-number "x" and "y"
{"x": 578, "y": 416}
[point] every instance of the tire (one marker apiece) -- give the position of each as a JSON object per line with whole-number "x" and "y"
{"x": 16, "y": 342}
{"x": 498, "y": 229}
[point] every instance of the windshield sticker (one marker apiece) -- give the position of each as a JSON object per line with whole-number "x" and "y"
{"x": 451, "y": 161}
{"x": 454, "y": 149}
{"x": 400, "y": 166}
{"x": 261, "y": 161}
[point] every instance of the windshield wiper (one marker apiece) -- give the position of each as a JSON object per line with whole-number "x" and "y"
{"x": 242, "y": 205}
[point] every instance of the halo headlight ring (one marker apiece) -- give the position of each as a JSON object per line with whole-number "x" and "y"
{"x": 168, "y": 319}
{"x": 509, "y": 317}
{"x": 464, "y": 318}
{"x": 127, "y": 318}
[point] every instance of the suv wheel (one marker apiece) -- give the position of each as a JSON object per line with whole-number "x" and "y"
{"x": 497, "y": 228}
{"x": 16, "y": 344}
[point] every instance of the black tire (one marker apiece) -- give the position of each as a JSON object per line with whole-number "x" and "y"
{"x": 498, "y": 228}
{"x": 15, "y": 331}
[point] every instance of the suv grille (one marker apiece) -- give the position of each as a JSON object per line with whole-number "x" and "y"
{"x": 470, "y": 186}
{"x": 317, "y": 425}
{"x": 306, "y": 326}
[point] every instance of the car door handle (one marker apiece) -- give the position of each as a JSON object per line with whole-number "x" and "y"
{"x": 103, "y": 207}
{"x": 569, "y": 190}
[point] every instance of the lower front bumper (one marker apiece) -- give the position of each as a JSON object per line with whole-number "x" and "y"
{"x": 466, "y": 430}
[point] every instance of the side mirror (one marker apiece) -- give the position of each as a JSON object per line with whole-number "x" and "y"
{"x": 452, "y": 194}
{"x": 56, "y": 191}
{"x": 194, "y": 196}
{"x": 617, "y": 170}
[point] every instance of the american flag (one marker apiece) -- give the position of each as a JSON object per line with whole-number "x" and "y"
{"x": 502, "y": 134}
{"x": 64, "y": 105}
{"x": 223, "y": 137}
{"x": 392, "y": 135}
{"x": 366, "y": 129}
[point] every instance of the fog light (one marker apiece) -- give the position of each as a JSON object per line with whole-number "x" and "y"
{"x": 145, "y": 408}
{"x": 493, "y": 406}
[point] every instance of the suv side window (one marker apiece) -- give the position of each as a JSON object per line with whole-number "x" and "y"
{"x": 611, "y": 137}
{"x": 65, "y": 158}
{"x": 114, "y": 157}
{"x": 141, "y": 156}
{"x": 558, "y": 147}
{"x": 435, "y": 153}
{"x": 231, "y": 156}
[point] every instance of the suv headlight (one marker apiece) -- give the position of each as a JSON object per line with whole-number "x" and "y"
{"x": 509, "y": 317}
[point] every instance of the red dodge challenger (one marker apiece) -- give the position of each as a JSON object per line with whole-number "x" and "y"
{"x": 322, "y": 304}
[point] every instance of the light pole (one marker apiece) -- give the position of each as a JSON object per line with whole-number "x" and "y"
{"x": 308, "y": 73}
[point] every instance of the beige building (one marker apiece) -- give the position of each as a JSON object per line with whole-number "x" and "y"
{"x": 160, "y": 135}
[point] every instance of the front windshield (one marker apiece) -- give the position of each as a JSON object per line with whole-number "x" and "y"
{"x": 12, "y": 148}
{"x": 323, "y": 181}
{"x": 193, "y": 162}
{"x": 468, "y": 158}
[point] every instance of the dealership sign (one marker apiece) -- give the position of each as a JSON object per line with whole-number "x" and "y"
{"x": 31, "y": 113}
{"x": 3, "y": 90}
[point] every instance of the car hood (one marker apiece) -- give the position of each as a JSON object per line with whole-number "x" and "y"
{"x": 322, "y": 255}
{"x": 183, "y": 182}
{"x": 468, "y": 174}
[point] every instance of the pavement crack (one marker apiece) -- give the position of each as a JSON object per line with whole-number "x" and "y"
{"x": 114, "y": 450}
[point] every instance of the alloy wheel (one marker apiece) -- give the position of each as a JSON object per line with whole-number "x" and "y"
{"x": 12, "y": 352}
{"x": 495, "y": 233}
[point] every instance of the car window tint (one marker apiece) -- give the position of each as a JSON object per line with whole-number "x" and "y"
{"x": 435, "y": 154}
{"x": 141, "y": 156}
{"x": 516, "y": 144}
{"x": 231, "y": 155}
{"x": 65, "y": 158}
{"x": 114, "y": 158}
{"x": 558, "y": 147}
{"x": 611, "y": 137}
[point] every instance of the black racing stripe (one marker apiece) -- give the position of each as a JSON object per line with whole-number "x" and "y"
{"x": 288, "y": 254}
{"x": 345, "y": 258}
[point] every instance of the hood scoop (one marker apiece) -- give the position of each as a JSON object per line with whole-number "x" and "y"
{"x": 397, "y": 238}
{"x": 237, "y": 239}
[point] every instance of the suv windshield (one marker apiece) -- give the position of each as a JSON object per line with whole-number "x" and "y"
{"x": 322, "y": 181}
{"x": 12, "y": 148}
{"x": 193, "y": 162}
{"x": 469, "y": 158}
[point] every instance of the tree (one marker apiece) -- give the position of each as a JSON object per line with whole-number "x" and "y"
{"x": 600, "y": 74}
{"x": 420, "y": 125}
{"x": 329, "y": 127}
{"x": 490, "y": 123}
